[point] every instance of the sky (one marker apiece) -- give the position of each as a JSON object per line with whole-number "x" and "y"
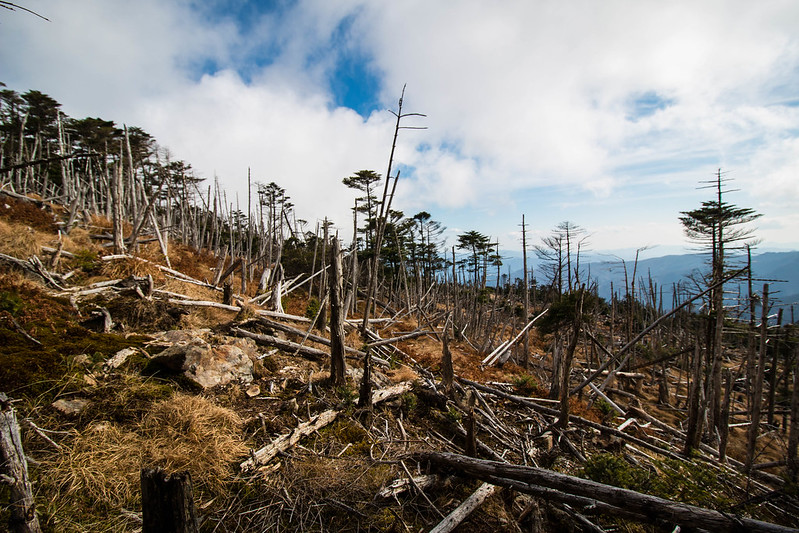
{"x": 610, "y": 115}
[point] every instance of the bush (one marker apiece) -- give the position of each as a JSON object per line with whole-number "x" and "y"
{"x": 610, "y": 469}
{"x": 312, "y": 309}
{"x": 525, "y": 384}
{"x": 86, "y": 260}
{"x": 606, "y": 410}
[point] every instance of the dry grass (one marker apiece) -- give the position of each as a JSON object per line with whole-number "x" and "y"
{"x": 192, "y": 433}
{"x": 20, "y": 241}
{"x": 123, "y": 268}
{"x": 403, "y": 373}
{"x": 102, "y": 465}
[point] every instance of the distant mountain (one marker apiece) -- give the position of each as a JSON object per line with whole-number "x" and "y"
{"x": 779, "y": 269}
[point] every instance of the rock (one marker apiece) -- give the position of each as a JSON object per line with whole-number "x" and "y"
{"x": 118, "y": 359}
{"x": 82, "y": 359}
{"x": 227, "y": 360}
{"x": 71, "y": 407}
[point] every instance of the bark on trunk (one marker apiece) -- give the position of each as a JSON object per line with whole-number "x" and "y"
{"x": 167, "y": 502}
{"x": 337, "y": 365}
{"x": 14, "y": 466}
{"x": 652, "y": 507}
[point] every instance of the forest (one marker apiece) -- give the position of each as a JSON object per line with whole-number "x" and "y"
{"x": 178, "y": 360}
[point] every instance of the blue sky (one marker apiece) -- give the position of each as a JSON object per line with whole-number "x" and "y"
{"x": 606, "y": 114}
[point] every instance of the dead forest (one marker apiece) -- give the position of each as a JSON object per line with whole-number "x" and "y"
{"x": 174, "y": 359}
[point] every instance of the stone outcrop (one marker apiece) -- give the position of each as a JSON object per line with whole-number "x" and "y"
{"x": 207, "y": 359}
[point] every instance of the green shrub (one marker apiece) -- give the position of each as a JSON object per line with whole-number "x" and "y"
{"x": 606, "y": 410}
{"x": 525, "y": 384}
{"x": 312, "y": 309}
{"x": 409, "y": 403}
{"x": 86, "y": 260}
{"x": 614, "y": 470}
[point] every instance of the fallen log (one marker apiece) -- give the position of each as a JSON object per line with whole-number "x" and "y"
{"x": 284, "y": 442}
{"x": 34, "y": 266}
{"x": 405, "y": 337}
{"x": 576, "y": 419}
{"x": 400, "y": 485}
{"x": 496, "y": 354}
{"x": 287, "y": 346}
{"x": 453, "y": 519}
{"x": 300, "y": 333}
{"x": 652, "y": 507}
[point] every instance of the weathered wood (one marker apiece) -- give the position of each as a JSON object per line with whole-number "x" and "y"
{"x": 502, "y": 349}
{"x": 284, "y": 442}
{"x": 398, "y": 486}
{"x": 405, "y": 337}
{"x": 287, "y": 346}
{"x": 337, "y": 312}
{"x": 651, "y": 506}
{"x": 757, "y": 394}
{"x": 646, "y": 330}
{"x": 304, "y": 334}
{"x": 573, "y": 418}
{"x": 447, "y": 370}
{"x": 167, "y": 502}
{"x": 34, "y": 266}
{"x": 14, "y": 468}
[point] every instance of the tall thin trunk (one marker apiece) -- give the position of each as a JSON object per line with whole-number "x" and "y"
{"x": 337, "y": 311}
{"x": 525, "y": 318}
{"x": 757, "y": 392}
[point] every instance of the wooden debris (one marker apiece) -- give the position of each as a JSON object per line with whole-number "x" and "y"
{"x": 451, "y": 521}
{"x": 167, "y": 502}
{"x": 284, "y": 442}
{"x": 652, "y": 507}
{"x": 398, "y": 486}
{"x": 14, "y": 468}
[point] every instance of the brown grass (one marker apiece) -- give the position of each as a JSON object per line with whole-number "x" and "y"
{"x": 20, "y": 241}
{"x": 183, "y": 432}
{"x": 123, "y": 268}
{"x": 28, "y": 214}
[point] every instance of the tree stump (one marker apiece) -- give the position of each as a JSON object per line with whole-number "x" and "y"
{"x": 14, "y": 467}
{"x": 167, "y": 502}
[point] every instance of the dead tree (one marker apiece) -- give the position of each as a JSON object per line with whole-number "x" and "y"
{"x": 757, "y": 389}
{"x": 14, "y": 472}
{"x": 337, "y": 312}
{"x": 382, "y": 219}
{"x": 793, "y": 434}
{"x": 167, "y": 502}
{"x": 561, "y": 487}
{"x": 563, "y": 421}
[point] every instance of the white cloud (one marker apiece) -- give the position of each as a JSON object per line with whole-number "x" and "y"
{"x": 225, "y": 126}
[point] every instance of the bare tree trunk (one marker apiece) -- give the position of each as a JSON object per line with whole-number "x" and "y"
{"x": 525, "y": 318}
{"x": 757, "y": 389}
{"x": 724, "y": 429}
{"x": 116, "y": 201}
{"x": 693, "y": 433}
{"x": 14, "y": 467}
{"x": 563, "y": 421}
{"x": 775, "y": 363}
{"x": 167, "y": 502}
{"x": 447, "y": 371}
{"x": 793, "y": 435}
{"x": 337, "y": 365}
